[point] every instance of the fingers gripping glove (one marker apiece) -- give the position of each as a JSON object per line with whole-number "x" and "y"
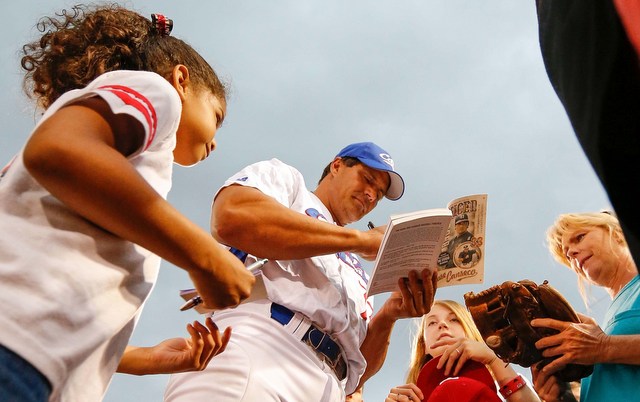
{"x": 503, "y": 315}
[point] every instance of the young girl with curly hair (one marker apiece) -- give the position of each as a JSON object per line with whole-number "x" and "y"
{"x": 83, "y": 211}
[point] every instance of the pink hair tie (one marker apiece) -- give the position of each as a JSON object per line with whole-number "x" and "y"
{"x": 161, "y": 24}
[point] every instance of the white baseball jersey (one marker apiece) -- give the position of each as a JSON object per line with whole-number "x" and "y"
{"x": 328, "y": 289}
{"x": 71, "y": 292}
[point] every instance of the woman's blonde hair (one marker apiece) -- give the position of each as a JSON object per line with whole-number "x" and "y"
{"x": 573, "y": 222}
{"x": 419, "y": 355}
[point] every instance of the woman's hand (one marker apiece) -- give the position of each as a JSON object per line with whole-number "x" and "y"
{"x": 459, "y": 351}
{"x": 580, "y": 343}
{"x": 405, "y": 393}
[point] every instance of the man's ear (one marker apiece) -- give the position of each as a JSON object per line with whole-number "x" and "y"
{"x": 180, "y": 80}
{"x": 336, "y": 165}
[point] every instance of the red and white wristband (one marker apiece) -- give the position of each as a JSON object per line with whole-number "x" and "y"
{"x": 512, "y": 386}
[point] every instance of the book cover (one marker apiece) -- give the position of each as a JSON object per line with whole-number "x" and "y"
{"x": 450, "y": 240}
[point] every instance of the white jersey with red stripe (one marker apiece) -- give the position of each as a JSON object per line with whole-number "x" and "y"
{"x": 329, "y": 289}
{"x": 71, "y": 292}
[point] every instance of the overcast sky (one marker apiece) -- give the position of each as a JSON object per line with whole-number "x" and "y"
{"x": 455, "y": 90}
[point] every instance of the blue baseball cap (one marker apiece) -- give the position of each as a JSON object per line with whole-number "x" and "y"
{"x": 376, "y": 158}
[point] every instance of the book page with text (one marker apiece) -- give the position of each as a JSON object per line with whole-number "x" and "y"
{"x": 411, "y": 242}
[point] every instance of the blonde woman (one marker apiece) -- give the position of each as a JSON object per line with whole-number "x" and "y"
{"x": 449, "y": 332}
{"x": 594, "y": 247}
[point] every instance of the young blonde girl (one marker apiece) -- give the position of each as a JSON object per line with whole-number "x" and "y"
{"x": 83, "y": 211}
{"x": 448, "y": 331}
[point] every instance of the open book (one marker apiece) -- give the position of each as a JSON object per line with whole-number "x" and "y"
{"x": 450, "y": 240}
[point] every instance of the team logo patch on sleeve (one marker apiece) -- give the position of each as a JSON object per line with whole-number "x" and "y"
{"x": 314, "y": 213}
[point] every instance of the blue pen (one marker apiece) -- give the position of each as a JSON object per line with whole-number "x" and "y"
{"x": 194, "y": 301}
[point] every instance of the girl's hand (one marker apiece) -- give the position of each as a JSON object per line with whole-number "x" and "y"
{"x": 183, "y": 354}
{"x": 405, "y": 393}
{"x": 549, "y": 388}
{"x": 177, "y": 355}
{"x": 223, "y": 285}
{"x": 460, "y": 351}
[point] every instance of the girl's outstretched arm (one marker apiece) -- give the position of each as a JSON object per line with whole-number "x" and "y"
{"x": 177, "y": 355}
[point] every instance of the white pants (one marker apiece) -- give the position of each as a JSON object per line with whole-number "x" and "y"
{"x": 262, "y": 363}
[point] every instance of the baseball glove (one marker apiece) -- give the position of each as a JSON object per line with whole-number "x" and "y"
{"x": 503, "y": 314}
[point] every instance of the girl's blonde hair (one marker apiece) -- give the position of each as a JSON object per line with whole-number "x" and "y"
{"x": 566, "y": 223}
{"x": 419, "y": 355}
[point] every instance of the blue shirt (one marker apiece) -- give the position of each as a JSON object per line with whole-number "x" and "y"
{"x": 617, "y": 382}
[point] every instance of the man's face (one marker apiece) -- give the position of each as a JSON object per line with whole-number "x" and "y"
{"x": 356, "y": 190}
{"x": 461, "y": 227}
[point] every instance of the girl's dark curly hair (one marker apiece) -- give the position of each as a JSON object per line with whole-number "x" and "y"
{"x": 84, "y": 42}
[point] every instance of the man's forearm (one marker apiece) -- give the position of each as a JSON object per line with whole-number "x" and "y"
{"x": 248, "y": 220}
{"x": 376, "y": 344}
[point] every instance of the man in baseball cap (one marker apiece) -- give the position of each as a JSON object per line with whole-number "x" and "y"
{"x": 462, "y": 218}
{"x": 462, "y": 235}
{"x": 376, "y": 158}
{"x": 316, "y": 326}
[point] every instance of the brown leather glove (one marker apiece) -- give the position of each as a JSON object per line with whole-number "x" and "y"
{"x": 503, "y": 315}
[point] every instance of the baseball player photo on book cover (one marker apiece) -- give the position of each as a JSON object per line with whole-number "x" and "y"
{"x": 461, "y": 258}
{"x": 450, "y": 240}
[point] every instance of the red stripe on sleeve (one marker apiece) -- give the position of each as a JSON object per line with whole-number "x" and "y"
{"x": 140, "y": 102}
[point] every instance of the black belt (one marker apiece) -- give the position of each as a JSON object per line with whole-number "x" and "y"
{"x": 328, "y": 350}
